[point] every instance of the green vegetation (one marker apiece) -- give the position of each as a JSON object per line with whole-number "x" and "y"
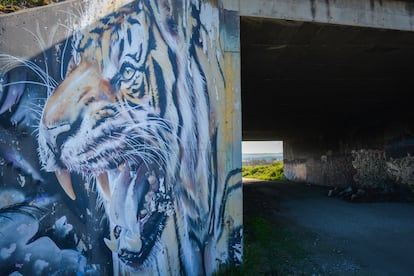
{"x": 8, "y": 6}
{"x": 272, "y": 171}
{"x": 268, "y": 250}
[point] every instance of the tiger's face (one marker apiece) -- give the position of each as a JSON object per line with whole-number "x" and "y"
{"x": 112, "y": 119}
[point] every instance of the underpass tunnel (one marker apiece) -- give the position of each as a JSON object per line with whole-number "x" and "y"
{"x": 338, "y": 96}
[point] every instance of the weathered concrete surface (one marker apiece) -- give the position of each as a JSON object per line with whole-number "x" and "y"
{"x": 387, "y": 14}
{"x": 381, "y": 166}
{"x": 27, "y": 33}
{"x": 343, "y": 238}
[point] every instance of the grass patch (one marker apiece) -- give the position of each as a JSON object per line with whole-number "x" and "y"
{"x": 272, "y": 171}
{"x": 9, "y": 6}
{"x": 268, "y": 249}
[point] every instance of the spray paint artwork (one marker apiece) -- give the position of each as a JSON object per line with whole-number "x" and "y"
{"x": 111, "y": 153}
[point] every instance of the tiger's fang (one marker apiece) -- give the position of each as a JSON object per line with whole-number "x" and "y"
{"x": 63, "y": 177}
{"x": 112, "y": 244}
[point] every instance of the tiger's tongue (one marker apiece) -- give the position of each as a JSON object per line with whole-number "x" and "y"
{"x": 127, "y": 187}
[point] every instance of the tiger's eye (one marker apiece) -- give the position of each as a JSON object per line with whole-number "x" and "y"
{"x": 128, "y": 73}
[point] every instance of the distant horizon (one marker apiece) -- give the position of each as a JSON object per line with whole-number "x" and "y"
{"x": 263, "y": 153}
{"x": 263, "y": 157}
{"x": 262, "y": 147}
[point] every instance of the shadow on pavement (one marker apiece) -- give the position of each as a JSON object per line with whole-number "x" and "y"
{"x": 342, "y": 238}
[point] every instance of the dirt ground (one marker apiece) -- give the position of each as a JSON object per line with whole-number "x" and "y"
{"x": 342, "y": 238}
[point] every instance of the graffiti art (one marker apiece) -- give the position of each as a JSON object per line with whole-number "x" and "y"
{"x": 111, "y": 147}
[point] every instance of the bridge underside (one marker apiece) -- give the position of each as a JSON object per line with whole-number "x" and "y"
{"x": 338, "y": 96}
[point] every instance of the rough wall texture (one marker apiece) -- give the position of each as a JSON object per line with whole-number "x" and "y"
{"x": 120, "y": 139}
{"x": 372, "y": 161}
{"x": 385, "y": 14}
{"x": 327, "y": 170}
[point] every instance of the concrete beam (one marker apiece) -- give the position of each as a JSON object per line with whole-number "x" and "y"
{"x": 385, "y": 14}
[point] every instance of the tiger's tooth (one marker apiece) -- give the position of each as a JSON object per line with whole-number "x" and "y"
{"x": 63, "y": 177}
{"x": 113, "y": 245}
{"x": 161, "y": 185}
{"x": 149, "y": 196}
{"x": 104, "y": 184}
{"x": 143, "y": 212}
{"x": 122, "y": 167}
{"x": 151, "y": 179}
{"x": 134, "y": 243}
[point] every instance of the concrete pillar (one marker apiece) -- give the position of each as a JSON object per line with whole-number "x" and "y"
{"x": 121, "y": 121}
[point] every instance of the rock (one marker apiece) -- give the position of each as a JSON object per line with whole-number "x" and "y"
{"x": 348, "y": 190}
{"x": 360, "y": 192}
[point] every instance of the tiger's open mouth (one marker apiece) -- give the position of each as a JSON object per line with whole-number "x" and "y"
{"x": 131, "y": 176}
{"x": 139, "y": 206}
{"x": 138, "y": 203}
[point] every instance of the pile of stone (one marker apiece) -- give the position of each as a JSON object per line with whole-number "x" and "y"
{"x": 400, "y": 193}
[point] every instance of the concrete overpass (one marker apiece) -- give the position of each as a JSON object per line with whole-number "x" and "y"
{"x": 332, "y": 80}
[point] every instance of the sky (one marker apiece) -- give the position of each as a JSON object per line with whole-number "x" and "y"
{"x": 262, "y": 147}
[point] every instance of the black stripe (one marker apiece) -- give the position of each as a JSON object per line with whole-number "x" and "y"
{"x": 87, "y": 44}
{"x": 193, "y": 54}
{"x": 105, "y": 20}
{"x": 177, "y": 234}
{"x": 103, "y": 119}
{"x": 173, "y": 59}
{"x": 140, "y": 92}
{"x": 201, "y": 246}
{"x": 121, "y": 48}
{"x": 133, "y": 21}
{"x": 98, "y": 30}
{"x": 129, "y": 35}
{"x": 213, "y": 186}
{"x": 159, "y": 78}
{"x": 226, "y": 192}
{"x": 221, "y": 71}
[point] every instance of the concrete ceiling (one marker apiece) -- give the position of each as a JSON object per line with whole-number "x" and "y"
{"x": 299, "y": 76}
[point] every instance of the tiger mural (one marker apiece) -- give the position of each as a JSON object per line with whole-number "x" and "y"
{"x": 136, "y": 115}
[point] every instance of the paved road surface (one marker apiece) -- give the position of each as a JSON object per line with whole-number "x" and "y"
{"x": 344, "y": 238}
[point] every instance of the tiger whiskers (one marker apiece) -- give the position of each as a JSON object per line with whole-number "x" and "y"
{"x": 160, "y": 148}
{"x": 11, "y": 62}
{"x": 28, "y": 82}
{"x": 147, "y": 153}
{"x": 35, "y": 111}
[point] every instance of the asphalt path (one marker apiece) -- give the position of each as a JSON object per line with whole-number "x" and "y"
{"x": 344, "y": 238}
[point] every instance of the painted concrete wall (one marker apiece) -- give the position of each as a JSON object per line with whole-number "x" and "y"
{"x": 382, "y": 160}
{"x": 120, "y": 139}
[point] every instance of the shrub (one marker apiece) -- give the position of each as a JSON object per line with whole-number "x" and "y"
{"x": 272, "y": 171}
{"x": 9, "y": 6}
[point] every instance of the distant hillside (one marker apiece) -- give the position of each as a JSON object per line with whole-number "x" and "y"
{"x": 261, "y": 158}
